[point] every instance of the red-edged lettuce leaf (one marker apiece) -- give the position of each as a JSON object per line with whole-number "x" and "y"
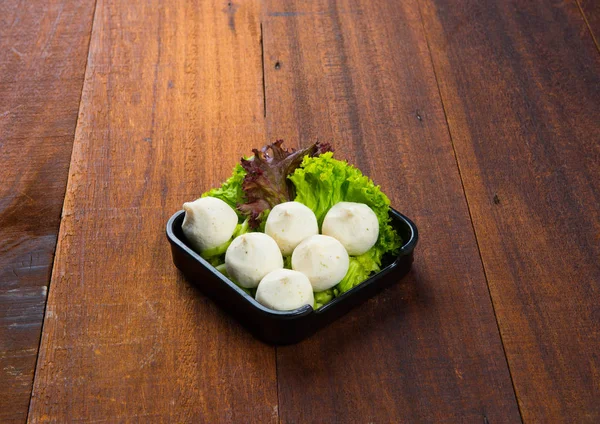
{"x": 265, "y": 184}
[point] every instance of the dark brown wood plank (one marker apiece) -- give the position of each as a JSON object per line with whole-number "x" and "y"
{"x": 591, "y": 14}
{"x": 43, "y": 52}
{"x": 521, "y": 88}
{"x": 359, "y": 74}
{"x": 172, "y": 98}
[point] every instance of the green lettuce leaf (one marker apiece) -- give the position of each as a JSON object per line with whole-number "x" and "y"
{"x": 361, "y": 267}
{"x": 321, "y": 182}
{"x": 323, "y": 297}
{"x": 231, "y": 191}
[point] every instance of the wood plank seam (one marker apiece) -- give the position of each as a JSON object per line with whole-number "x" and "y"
{"x": 469, "y": 208}
{"x": 262, "y": 60}
{"x": 264, "y": 88}
{"x": 587, "y": 24}
{"x": 35, "y": 368}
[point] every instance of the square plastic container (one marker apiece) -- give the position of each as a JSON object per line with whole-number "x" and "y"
{"x": 286, "y": 327}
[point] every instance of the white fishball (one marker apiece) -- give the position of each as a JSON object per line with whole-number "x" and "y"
{"x": 323, "y": 260}
{"x": 355, "y": 225}
{"x": 289, "y": 223}
{"x": 250, "y": 257}
{"x": 285, "y": 290}
{"x": 209, "y": 222}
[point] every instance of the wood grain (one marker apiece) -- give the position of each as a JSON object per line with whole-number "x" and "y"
{"x": 521, "y": 88}
{"x": 591, "y": 14}
{"x": 358, "y": 74}
{"x": 172, "y": 98}
{"x": 43, "y": 50}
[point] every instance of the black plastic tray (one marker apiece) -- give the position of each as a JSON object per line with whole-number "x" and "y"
{"x": 278, "y": 327}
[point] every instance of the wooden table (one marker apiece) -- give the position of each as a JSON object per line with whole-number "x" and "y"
{"x": 480, "y": 119}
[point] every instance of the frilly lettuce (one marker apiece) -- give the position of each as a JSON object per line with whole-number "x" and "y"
{"x": 231, "y": 191}
{"x": 260, "y": 181}
{"x": 321, "y": 182}
{"x": 266, "y": 181}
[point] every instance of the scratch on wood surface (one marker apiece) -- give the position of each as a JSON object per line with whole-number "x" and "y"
{"x": 18, "y": 53}
{"x": 12, "y": 371}
{"x": 149, "y": 358}
{"x": 24, "y": 324}
{"x": 50, "y": 36}
{"x": 293, "y": 14}
{"x": 26, "y": 195}
{"x": 8, "y": 112}
{"x": 458, "y": 373}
